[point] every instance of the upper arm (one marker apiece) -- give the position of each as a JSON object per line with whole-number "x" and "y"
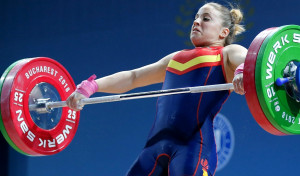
{"x": 152, "y": 73}
{"x": 236, "y": 55}
{"x": 233, "y": 55}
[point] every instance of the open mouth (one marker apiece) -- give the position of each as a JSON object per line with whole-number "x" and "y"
{"x": 196, "y": 30}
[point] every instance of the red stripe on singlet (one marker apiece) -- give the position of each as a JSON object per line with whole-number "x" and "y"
{"x": 199, "y": 124}
{"x": 156, "y": 162}
{"x": 213, "y": 126}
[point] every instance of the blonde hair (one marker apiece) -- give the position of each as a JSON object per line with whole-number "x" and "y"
{"x": 231, "y": 19}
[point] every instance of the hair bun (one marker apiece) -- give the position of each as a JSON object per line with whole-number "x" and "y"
{"x": 237, "y": 16}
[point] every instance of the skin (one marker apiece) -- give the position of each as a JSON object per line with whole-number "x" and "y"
{"x": 206, "y": 31}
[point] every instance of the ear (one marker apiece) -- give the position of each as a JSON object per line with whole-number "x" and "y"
{"x": 224, "y": 33}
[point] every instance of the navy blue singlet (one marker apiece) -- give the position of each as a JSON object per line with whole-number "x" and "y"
{"x": 181, "y": 141}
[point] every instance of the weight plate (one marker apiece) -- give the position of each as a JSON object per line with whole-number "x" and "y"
{"x": 249, "y": 83}
{"x": 21, "y": 124}
{"x": 278, "y": 49}
{"x": 3, "y": 130}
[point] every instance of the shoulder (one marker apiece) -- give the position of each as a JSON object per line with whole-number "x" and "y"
{"x": 234, "y": 54}
{"x": 166, "y": 59}
{"x": 174, "y": 53}
{"x": 234, "y": 49}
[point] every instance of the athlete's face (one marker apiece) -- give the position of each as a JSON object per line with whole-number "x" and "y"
{"x": 207, "y": 29}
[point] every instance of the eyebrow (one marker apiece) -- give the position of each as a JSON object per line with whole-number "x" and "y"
{"x": 206, "y": 14}
{"x": 197, "y": 14}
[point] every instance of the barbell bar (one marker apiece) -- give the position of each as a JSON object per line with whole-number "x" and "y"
{"x": 47, "y": 106}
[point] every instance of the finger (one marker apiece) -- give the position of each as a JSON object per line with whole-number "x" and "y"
{"x": 235, "y": 86}
{"x": 242, "y": 87}
{"x": 240, "y": 90}
{"x": 69, "y": 100}
{"x": 74, "y": 105}
{"x": 79, "y": 107}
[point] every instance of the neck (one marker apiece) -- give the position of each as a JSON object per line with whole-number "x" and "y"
{"x": 213, "y": 44}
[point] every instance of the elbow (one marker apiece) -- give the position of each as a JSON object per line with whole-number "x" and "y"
{"x": 128, "y": 82}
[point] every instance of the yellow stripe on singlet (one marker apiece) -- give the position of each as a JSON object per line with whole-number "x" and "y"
{"x": 198, "y": 60}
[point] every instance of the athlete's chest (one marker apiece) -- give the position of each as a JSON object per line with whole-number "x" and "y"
{"x": 190, "y": 60}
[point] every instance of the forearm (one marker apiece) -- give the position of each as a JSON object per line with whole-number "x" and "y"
{"x": 116, "y": 83}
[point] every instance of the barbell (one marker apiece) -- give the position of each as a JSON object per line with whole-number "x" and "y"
{"x": 36, "y": 121}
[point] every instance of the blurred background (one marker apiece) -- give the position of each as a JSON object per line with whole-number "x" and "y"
{"x": 107, "y": 36}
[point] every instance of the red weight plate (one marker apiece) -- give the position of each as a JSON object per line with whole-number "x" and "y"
{"x": 17, "y": 119}
{"x": 2, "y": 128}
{"x": 5, "y": 94}
{"x": 249, "y": 84}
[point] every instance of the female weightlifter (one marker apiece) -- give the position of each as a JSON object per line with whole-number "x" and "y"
{"x": 181, "y": 141}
